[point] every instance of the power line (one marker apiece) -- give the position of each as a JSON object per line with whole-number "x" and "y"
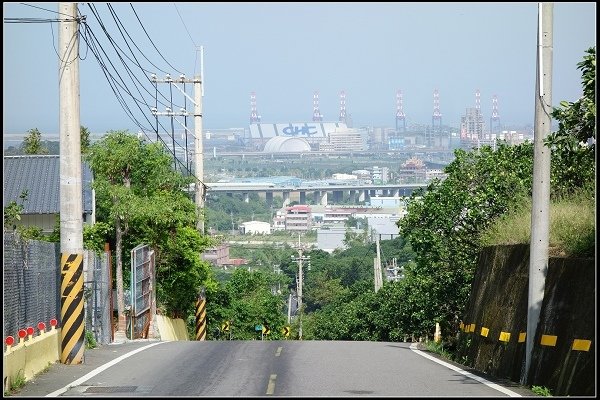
{"x": 186, "y": 29}
{"x": 52, "y": 11}
{"x": 142, "y": 25}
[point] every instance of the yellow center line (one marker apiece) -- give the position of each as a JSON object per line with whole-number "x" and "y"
{"x": 278, "y": 352}
{"x": 271, "y": 387}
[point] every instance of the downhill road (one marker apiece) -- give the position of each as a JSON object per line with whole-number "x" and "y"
{"x": 264, "y": 368}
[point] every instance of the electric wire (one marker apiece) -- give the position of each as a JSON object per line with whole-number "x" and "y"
{"x": 142, "y": 25}
{"x": 45, "y": 9}
{"x": 118, "y": 86}
{"x": 117, "y": 48}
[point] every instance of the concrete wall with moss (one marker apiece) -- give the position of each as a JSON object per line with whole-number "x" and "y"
{"x": 492, "y": 337}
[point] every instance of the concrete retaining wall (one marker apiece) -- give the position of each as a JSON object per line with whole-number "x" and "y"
{"x": 31, "y": 357}
{"x": 495, "y": 322}
{"x": 171, "y": 329}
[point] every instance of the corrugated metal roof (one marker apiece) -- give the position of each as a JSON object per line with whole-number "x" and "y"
{"x": 40, "y": 176}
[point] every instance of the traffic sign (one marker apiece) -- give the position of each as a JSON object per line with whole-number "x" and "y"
{"x": 286, "y": 331}
{"x": 266, "y": 330}
{"x": 225, "y": 326}
{"x": 258, "y": 327}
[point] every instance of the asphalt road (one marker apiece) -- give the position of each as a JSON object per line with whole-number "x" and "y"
{"x": 262, "y": 369}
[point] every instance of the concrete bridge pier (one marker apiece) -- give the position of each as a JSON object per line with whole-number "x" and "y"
{"x": 246, "y": 197}
{"x": 269, "y": 198}
{"x": 302, "y": 197}
{"x": 362, "y": 195}
{"x": 323, "y": 201}
{"x": 286, "y": 198}
{"x": 338, "y": 196}
{"x": 316, "y": 196}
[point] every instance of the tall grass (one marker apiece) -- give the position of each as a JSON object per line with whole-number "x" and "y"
{"x": 572, "y": 226}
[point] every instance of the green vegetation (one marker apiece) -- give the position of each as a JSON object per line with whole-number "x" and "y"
{"x": 90, "y": 340}
{"x": 17, "y": 383}
{"x": 32, "y": 144}
{"x": 438, "y": 348}
{"x": 141, "y": 199}
{"x": 541, "y": 391}
{"x": 572, "y": 226}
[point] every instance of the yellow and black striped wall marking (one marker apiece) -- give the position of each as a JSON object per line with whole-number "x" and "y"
{"x": 581, "y": 345}
{"x": 71, "y": 308}
{"x": 504, "y": 337}
{"x": 548, "y": 340}
{"x": 201, "y": 318}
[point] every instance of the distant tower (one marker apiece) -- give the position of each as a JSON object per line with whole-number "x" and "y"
{"x": 343, "y": 106}
{"x": 254, "y": 117}
{"x": 495, "y": 118}
{"x": 437, "y": 115}
{"x": 478, "y": 100}
{"x": 400, "y": 116}
{"x": 316, "y": 112}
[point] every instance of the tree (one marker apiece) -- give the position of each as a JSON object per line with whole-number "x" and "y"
{"x": 443, "y": 226}
{"x": 85, "y": 139}
{"x": 145, "y": 201}
{"x": 573, "y": 145}
{"x": 246, "y": 300}
{"x": 32, "y": 143}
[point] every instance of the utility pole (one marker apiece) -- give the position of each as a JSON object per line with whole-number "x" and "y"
{"x": 199, "y": 151}
{"x": 540, "y": 211}
{"x": 198, "y": 144}
{"x": 299, "y": 259}
{"x": 71, "y": 199}
{"x": 377, "y": 266}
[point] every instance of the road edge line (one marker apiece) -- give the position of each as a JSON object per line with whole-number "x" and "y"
{"x": 96, "y": 371}
{"x": 495, "y": 386}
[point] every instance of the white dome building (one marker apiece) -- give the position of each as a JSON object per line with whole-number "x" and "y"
{"x": 283, "y": 144}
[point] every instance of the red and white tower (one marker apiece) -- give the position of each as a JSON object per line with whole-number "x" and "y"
{"x": 316, "y": 112}
{"x": 400, "y": 116}
{"x": 343, "y": 106}
{"x": 436, "y": 119}
{"x": 495, "y": 118}
{"x": 254, "y": 117}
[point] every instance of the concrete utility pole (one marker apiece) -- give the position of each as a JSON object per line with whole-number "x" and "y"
{"x": 71, "y": 201}
{"x": 377, "y": 266}
{"x": 199, "y": 153}
{"x": 299, "y": 259}
{"x": 540, "y": 211}
{"x": 198, "y": 145}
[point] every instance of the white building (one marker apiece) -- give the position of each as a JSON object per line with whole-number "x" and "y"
{"x": 381, "y": 174}
{"x": 255, "y": 228}
{"x": 387, "y": 202}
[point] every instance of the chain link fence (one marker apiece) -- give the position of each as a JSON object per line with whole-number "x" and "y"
{"x": 31, "y": 284}
{"x": 31, "y": 277}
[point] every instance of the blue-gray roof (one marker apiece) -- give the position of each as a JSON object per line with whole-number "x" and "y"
{"x": 40, "y": 176}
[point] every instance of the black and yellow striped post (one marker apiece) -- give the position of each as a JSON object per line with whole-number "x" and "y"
{"x": 71, "y": 308}
{"x": 201, "y": 317}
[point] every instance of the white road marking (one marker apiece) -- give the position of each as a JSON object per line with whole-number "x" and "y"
{"x": 278, "y": 352}
{"x": 509, "y": 392}
{"x": 101, "y": 368}
{"x": 271, "y": 387}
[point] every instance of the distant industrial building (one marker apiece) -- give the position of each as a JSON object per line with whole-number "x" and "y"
{"x": 314, "y": 132}
{"x": 255, "y": 228}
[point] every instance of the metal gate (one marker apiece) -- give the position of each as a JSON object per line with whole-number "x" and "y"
{"x": 142, "y": 291}
{"x": 96, "y": 294}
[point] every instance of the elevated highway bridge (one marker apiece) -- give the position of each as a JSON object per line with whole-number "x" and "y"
{"x": 357, "y": 193}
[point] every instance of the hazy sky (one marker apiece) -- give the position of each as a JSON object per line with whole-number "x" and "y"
{"x": 286, "y": 51}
